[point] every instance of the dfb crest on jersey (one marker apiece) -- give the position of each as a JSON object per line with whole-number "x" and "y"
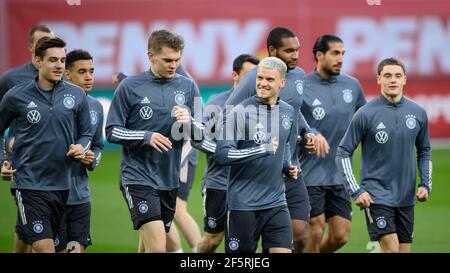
{"x": 259, "y": 137}
{"x": 143, "y": 207}
{"x": 411, "y": 121}
{"x": 381, "y": 137}
{"x": 285, "y": 122}
{"x": 347, "y": 95}
{"x": 69, "y": 101}
{"x": 212, "y": 222}
{"x": 38, "y": 227}
{"x": 299, "y": 86}
{"x": 180, "y": 99}
{"x": 318, "y": 113}
{"x": 33, "y": 116}
{"x": 146, "y": 112}
{"x": 233, "y": 244}
{"x": 381, "y": 222}
{"x": 94, "y": 117}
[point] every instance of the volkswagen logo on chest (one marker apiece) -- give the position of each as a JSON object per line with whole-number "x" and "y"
{"x": 381, "y": 137}
{"x": 146, "y": 112}
{"x": 33, "y": 116}
{"x": 318, "y": 113}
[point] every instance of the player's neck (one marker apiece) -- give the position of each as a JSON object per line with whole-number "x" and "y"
{"x": 323, "y": 73}
{"x": 393, "y": 99}
{"x": 44, "y": 84}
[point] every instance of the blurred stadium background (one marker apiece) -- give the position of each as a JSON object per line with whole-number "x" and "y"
{"x": 116, "y": 32}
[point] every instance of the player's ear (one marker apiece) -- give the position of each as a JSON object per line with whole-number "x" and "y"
{"x": 272, "y": 51}
{"x": 378, "y": 79}
{"x": 150, "y": 55}
{"x": 67, "y": 73}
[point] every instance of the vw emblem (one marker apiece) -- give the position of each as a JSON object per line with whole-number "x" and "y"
{"x": 69, "y": 102}
{"x": 33, "y": 116}
{"x": 318, "y": 113}
{"x": 411, "y": 123}
{"x": 381, "y": 137}
{"x": 259, "y": 137}
{"x": 146, "y": 112}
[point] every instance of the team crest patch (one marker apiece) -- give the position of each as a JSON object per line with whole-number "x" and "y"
{"x": 212, "y": 222}
{"x": 259, "y": 137}
{"x": 347, "y": 95}
{"x": 318, "y": 113}
{"x": 299, "y": 86}
{"x": 69, "y": 101}
{"x": 381, "y": 137}
{"x": 94, "y": 117}
{"x": 143, "y": 207}
{"x": 381, "y": 222}
{"x": 38, "y": 227}
{"x": 33, "y": 116}
{"x": 285, "y": 122}
{"x": 56, "y": 242}
{"x": 180, "y": 99}
{"x": 411, "y": 121}
{"x": 233, "y": 244}
{"x": 146, "y": 112}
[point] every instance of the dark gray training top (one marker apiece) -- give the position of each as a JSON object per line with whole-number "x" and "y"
{"x": 328, "y": 106}
{"x": 79, "y": 190}
{"x": 47, "y": 122}
{"x": 388, "y": 133}
{"x": 144, "y": 104}
{"x": 256, "y": 173}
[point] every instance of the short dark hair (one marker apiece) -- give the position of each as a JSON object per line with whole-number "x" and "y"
{"x": 164, "y": 37}
{"x": 45, "y": 43}
{"x": 241, "y": 59}
{"x": 76, "y": 55}
{"x": 276, "y": 35}
{"x": 390, "y": 61}
{"x": 39, "y": 27}
{"x": 322, "y": 43}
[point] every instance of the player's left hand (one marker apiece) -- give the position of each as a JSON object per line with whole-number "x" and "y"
{"x": 76, "y": 151}
{"x": 422, "y": 194}
{"x": 88, "y": 159}
{"x": 293, "y": 172}
{"x": 182, "y": 115}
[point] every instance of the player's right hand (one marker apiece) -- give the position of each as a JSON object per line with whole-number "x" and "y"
{"x": 160, "y": 142}
{"x": 322, "y": 147}
{"x": 364, "y": 200}
{"x": 7, "y": 172}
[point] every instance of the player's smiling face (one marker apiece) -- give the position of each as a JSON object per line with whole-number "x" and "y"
{"x": 392, "y": 78}
{"x": 165, "y": 62}
{"x": 268, "y": 85}
{"x": 51, "y": 66}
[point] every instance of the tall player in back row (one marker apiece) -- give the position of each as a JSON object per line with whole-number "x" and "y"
{"x": 330, "y": 99}
{"x": 393, "y": 131}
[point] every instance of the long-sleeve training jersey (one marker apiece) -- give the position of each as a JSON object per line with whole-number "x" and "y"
{"x": 142, "y": 105}
{"x": 79, "y": 190}
{"x": 291, "y": 93}
{"x": 215, "y": 176}
{"x": 328, "y": 106}
{"x": 46, "y": 124}
{"x": 388, "y": 133}
{"x": 256, "y": 173}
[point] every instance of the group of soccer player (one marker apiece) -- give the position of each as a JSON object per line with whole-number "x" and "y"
{"x": 279, "y": 147}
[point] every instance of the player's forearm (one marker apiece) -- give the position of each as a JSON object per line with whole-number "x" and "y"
{"x": 229, "y": 156}
{"x": 206, "y": 145}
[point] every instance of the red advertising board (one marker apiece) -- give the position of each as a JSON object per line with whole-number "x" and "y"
{"x": 116, "y": 32}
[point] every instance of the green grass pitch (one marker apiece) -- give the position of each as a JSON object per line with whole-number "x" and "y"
{"x": 112, "y": 231}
